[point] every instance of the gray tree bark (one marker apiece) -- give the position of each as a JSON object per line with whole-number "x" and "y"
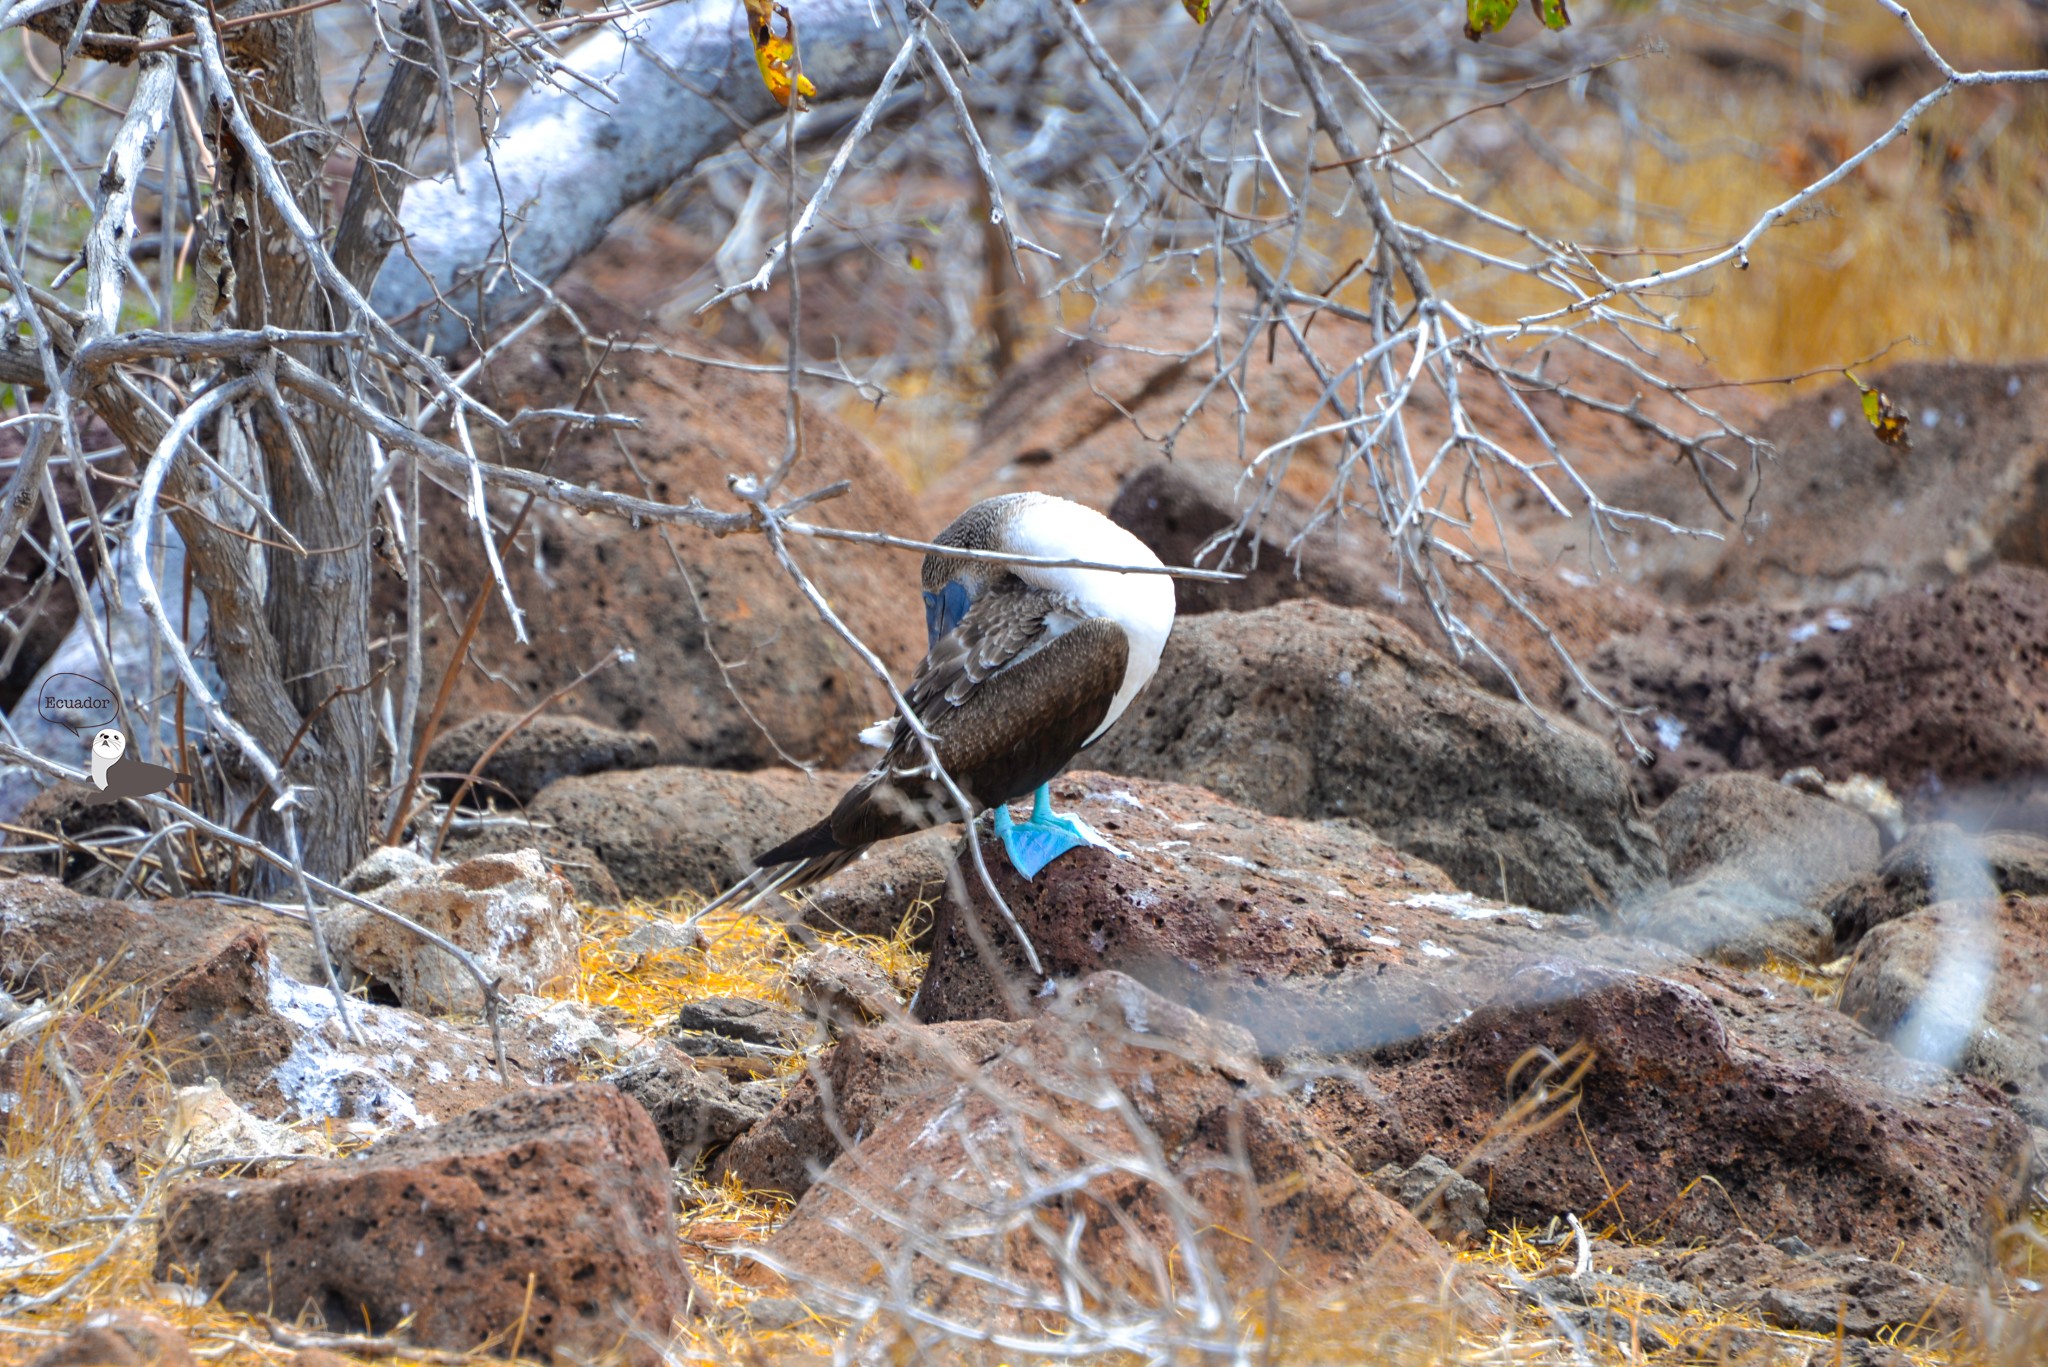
{"x": 566, "y": 162}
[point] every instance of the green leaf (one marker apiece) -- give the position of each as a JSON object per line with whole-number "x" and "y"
{"x": 1489, "y": 16}
{"x": 1555, "y": 16}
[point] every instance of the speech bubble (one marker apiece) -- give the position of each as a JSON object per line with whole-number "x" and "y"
{"x": 75, "y": 702}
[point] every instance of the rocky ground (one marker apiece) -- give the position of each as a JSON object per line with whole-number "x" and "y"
{"x": 1403, "y": 991}
{"x": 1422, "y": 1017}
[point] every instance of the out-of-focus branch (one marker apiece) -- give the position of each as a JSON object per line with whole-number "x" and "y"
{"x": 685, "y": 87}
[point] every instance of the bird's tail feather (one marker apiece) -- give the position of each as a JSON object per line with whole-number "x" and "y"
{"x": 765, "y": 882}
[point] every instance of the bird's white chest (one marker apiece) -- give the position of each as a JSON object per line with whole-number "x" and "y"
{"x": 1142, "y": 604}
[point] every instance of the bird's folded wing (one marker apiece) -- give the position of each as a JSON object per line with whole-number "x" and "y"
{"x": 1003, "y": 723}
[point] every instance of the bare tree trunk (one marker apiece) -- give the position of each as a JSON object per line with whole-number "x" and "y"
{"x": 312, "y": 643}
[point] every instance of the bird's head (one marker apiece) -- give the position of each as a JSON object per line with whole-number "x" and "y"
{"x": 109, "y": 744}
{"x": 954, "y": 583}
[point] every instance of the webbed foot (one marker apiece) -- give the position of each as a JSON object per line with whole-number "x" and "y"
{"x": 1046, "y": 835}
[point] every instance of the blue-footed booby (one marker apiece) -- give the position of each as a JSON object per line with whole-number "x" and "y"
{"x": 1025, "y": 666}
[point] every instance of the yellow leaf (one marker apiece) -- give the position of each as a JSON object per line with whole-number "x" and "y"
{"x": 1885, "y": 420}
{"x": 776, "y": 52}
{"x": 1198, "y": 10}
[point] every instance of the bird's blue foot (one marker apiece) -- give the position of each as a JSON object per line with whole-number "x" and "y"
{"x": 1034, "y": 843}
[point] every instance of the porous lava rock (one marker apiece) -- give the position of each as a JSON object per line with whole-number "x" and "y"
{"x": 851, "y": 1089}
{"x": 548, "y": 1212}
{"x": 1310, "y": 710}
{"x": 1959, "y": 983}
{"x": 695, "y": 1110}
{"x": 1116, "y": 1192}
{"x": 511, "y": 912}
{"x": 543, "y": 749}
{"x": 1972, "y": 490}
{"x": 1791, "y": 843}
{"x": 727, "y": 664}
{"x": 893, "y": 887}
{"x": 1938, "y": 862}
{"x": 195, "y": 969}
{"x": 1302, "y": 931}
{"x": 1701, "y": 1103}
{"x": 68, "y": 812}
{"x": 1929, "y": 690}
{"x": 841, "y": 986}
{"x": 677, "y": 829}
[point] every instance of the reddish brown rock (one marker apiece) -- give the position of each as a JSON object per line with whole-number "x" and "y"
{"x": 715, "y": 628}
{"x": 563, "y": 1190}
{"x": 119, "y": 1338}
{"x": 197, "y": 968}
{"x": 542, "y": 750}
{"x": 73, "y": 810}
{"x": 67, "y": 1054}
{"x": 894, "y": 887}
{"x": 675, "y": 829}
{"x": 1746, "y": 825}
{"x": 1938, "y": 862}
{"x": 1310, "y": 710}
{"x": 1214, "y": 905}
{"x": 851, "y": 1090}
{"x": 1822, "y": 1293}
{"x": 1798, "y": 1122}
{"x": 1159, "y": 1180}
{"x": 1959, "y": 984}
{"x": 1752, "y": 855}
{"x": 1973, "y": 489}
{"x": 1930, "y": 691}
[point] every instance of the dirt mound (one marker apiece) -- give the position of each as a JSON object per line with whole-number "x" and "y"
{"x": 728, "y": 661}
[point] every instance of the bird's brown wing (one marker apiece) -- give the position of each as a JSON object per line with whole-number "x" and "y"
{"x": 1009, "y": 695}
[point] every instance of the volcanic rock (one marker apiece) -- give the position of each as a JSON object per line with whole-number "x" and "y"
{"x": 728, "y": 665}
{"x": 910, "y": 1202}
{"x": 675, "y": 829}
{"x": 1597, "y": 1088}
{"x": 511, "y": 912}
{"x": 1177, "y": 509}
{"x": 119, "y": 1338}
{"x": 194, "y": 968}
{"x": 544, "y": 749}
{"x": 1928, "y": 690}
{"x": 851, "y": 1090}
{"x": 1750, "y": 856}
{"x": 1304, "y": 709}
{"x": 1301, "y": 931}
{"x": 549, "y": 1211}
{"x": 1820, "y": 1293}
{"x": 1959, "y": 983}
{"x": 1937, "y": 863}
{"x": 694, "y": 1109}
{"x": 840, "y": 986}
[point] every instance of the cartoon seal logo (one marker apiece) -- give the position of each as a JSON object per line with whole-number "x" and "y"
{"x": 117, "y": 775}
